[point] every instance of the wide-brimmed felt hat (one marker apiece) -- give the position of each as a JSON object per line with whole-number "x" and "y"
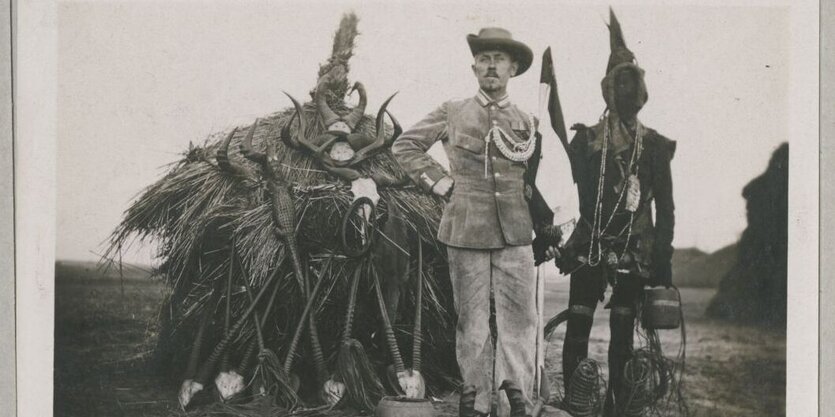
{"x": 501, "y": 40}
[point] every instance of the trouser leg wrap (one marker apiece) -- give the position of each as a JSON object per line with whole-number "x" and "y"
{"x": 622, "y": 327}
{"x": 576, "y": 342}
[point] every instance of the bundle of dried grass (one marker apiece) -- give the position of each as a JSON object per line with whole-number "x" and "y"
{"x": 201, "y": 211}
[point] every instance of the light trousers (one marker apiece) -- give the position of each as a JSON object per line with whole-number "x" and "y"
{"x": 510, "y": 274}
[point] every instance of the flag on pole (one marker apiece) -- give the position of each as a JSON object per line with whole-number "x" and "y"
{"x": 548, "y": 93}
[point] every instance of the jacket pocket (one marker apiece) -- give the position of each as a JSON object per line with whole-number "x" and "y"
{"x": 469, "y": 143}
{"x": 521, "y": 135}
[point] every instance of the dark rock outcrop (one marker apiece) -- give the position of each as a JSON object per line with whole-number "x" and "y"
{"x": 696, "y": 269}
{"x": 754, "y": 290}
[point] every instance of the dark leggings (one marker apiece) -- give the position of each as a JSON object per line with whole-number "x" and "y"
{"x": 587, "y": 289}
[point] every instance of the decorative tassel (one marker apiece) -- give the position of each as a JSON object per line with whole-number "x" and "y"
{"x": 353, "y": 368}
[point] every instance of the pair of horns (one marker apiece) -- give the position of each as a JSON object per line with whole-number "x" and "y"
{"x": 329, "y": 116}
{"x": 299, "y": 139}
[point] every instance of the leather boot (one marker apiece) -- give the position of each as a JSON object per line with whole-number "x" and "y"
{"x": 515, "y": 398}
{"x": 466, "y": 406}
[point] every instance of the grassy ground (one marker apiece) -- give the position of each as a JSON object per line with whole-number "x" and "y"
{"x": 101, "y": 344}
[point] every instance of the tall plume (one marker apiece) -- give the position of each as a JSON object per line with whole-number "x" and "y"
{"x": 337, "y": 64}
{"x": 616, "y": 39}
{"x": 620, "y": 53}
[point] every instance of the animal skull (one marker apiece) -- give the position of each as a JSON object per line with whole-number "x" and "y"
{"x": 187, "y": 391}
{"x": 228, "y": 384}
{"x": 333, "y": 391}
{"x": 412, "y": 383}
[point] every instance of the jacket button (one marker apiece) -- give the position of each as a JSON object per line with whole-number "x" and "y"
{"x": 498, "y": 193}
{"x": 495, "y": 122}
{"x": 497, "y": 174}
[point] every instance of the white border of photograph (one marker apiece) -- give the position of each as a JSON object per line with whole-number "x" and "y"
{"x": 35, "y": 130}
{"x": 7, "y": 284}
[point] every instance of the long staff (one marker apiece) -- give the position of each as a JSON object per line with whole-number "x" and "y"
{"x": 541, "y": 387}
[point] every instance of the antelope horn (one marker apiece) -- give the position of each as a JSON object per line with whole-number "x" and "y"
{"x": 222, "y": 155}
{"x": 397, "y": 128}
{"x": 246, "y": 146}
{"x": 381, "y": 140}
{"x": 204, "y": 372}
{"x": 294, "y": 343}
{"x": 191, "y": 369}
{"x": 353, "y": 118}
{"x": 381, "y": 127}
{"x": 394, "y": 350}
{"x": 226, "y": 164}
{"x": 328, "y": 115}
{"x": 379, "y": 124}
{"x": 285, "y": 131}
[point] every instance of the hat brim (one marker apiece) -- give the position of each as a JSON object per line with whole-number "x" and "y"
{"x": 517, "y": 50}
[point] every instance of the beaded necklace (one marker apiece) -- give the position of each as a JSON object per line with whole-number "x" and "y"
{"x": 598, "y": 231}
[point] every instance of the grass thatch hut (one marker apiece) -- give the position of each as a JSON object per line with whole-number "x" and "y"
{"x": 217, "y": 247}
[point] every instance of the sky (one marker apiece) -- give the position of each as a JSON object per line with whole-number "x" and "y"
{"x": 138, "y": 81}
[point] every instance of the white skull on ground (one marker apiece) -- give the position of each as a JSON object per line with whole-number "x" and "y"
{"x": 412, "y": 383}
{"x": 228, "y": 384}
{"x": 333, "y": 391}
{"x": 187, "y": 391}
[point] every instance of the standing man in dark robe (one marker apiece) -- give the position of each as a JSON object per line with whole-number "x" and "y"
{"x": 621, "y": 168}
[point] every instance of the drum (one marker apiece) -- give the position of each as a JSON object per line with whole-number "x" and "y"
{"x": 404, "y": 407}
{"x": 662, "y": 308}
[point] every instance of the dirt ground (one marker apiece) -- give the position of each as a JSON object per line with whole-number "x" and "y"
{"x": 101, "y": 344}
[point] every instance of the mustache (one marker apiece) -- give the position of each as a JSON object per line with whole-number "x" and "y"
{"x": 492, "y": 73}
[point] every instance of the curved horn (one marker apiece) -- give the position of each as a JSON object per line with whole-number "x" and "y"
{"x": 397, "y": 128}
{"x": 222, "y": 154}
{"x": 246, "y": 146}
{"x": 226, "y": 164}
{"x": 381, "y": 140}
{"x": 328, "y": 115}
{"x": 288, "y": 139}
{"x": 381, "y": 127}
{"x": 353, "y": 118}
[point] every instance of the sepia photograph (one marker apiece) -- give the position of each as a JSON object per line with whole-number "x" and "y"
{"x": 426, "y": 209}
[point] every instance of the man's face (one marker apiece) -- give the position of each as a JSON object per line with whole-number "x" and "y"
{"x": 493, "y": 69}
{"x": 626, "y": 90}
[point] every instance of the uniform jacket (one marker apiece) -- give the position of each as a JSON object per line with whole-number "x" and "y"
{"x": 484, "y": 212}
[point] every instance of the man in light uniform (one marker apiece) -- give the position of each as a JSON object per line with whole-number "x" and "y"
{"x": 486, "y": 223}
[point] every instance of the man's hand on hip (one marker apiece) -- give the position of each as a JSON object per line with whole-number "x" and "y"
{"x": 443, "y": 187}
